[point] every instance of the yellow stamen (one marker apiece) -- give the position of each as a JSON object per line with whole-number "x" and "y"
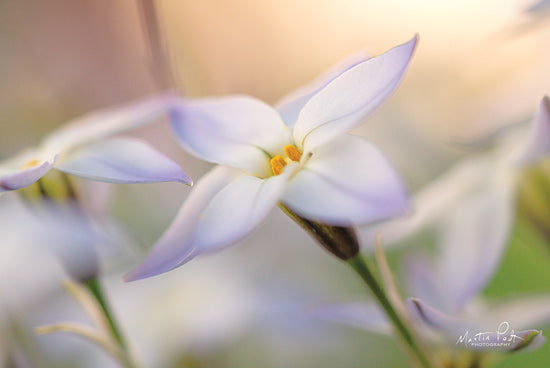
{"x": 293, "y": 153}
{"x": 31, "y": 163}
{"x": 277, "y": 164}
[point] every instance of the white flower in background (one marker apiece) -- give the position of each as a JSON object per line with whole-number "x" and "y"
{"x": 84, "y": 148}
{"x": 484, "y": 187}
{"x": 472, "y": 209}
{"x": 298, "y": 154}
{"x": 446, "y": 302}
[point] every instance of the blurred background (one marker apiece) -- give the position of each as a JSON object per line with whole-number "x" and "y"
{"x": 480, "y": 66}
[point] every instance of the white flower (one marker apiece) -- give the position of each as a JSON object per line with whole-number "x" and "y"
{"x": 298, "y": 155}
{"x": 83, "y": 148}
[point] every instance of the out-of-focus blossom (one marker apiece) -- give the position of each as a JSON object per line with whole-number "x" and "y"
{"x": 472, "y": 207}
{"x": 298, "y": 154}
{"x": 83, "y": 148}
{"x": 483, "y": 187}
{"x": 446, "y": 305}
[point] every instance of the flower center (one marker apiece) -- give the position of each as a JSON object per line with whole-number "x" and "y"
{"x": 30, "y": 163}
{"x": 278, "y": 163}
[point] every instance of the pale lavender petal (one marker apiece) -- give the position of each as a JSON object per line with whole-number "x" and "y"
{"x": 367, "y": 316}
{"x": 348, "y": 181}
{"x": 237, "y": 209}
{"x": 522, "y": 312}
{"x": 104, "y": 123}
{"x": 431, "y": 204}
{"x": 176, "y": 246}
{"x": 349, "y": 98}
{"x": 23, "y": 170}
{"x": 473, "y": 242}
{"x": 422, "y": 281}
{"x": 537, "y": 144}
{"x": 121, "y": 160}
{"x": 434, "y": 318}
{"x": 290, "y": 105}
{"x": 224, "y": 207}
{"x": 237, "y": 131}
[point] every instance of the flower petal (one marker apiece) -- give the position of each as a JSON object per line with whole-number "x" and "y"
{"x": 537, "y": 144}
{"x": 224, "y": 207}
{"x": 237, "y": 209}
{"x": 367, "y": 316}
{"x": 290, "y": 105}
{"x": 474, "y": 239}
{"x": 121, "y": 160}
{"x": 176, "y": 247}
{"x": 433, "y": 202}
{"x": 345, "y": 101}
{"x": 434, "y": 318}
{"x": 23, "y": 170}
{"x": 527, "y": 311}
{"x": 235, "y": 131}
{"x": 422, "y": 281}
{"x": 348, "y": 181}
{"x": 103, "y": 123}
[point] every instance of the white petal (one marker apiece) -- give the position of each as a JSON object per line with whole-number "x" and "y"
{"x": 237, "y": 209}
{"x": 537, "y": 144}
{"x": 473, "y": 242}
{"x": 432, "y": 203}
{"x": 346, "y": 182}
{"x": 175, "y": 247}
{"x": 349, "y": 98}
{"x": 522, "y": 312}
{"x": 24, "y": 169}
{"x": 224, "y": 207}
{"x": 367, "y": 316}
{"x": 121, "y": 160}
{"x": 290, "y": 105}
{"x": 235, "y": 131}
{"x": 103, "y": 123}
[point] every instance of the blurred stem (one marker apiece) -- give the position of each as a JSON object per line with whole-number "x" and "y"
{"x": 359, "y": 264}
{"x": 95, "y": 289}
{"x": 158, "y": 55}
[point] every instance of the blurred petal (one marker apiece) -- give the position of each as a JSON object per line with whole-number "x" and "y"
{"x": 100, "y": 124}
{"x": 366, "y": 316}
{"x": 223, "y": 208}
{"x": 528, "y": 311}
{"x": 432, "y": 203}
{"x": 473, "y": 241}
{"x": 235, "y": 131}
{"x": 350, "y": 97}
{"x": 434, "y": 318}
{"x": 422, "y": 281}
{"x": 12, "y": 180}
{"x": 290, "y": 105}
{"x": 121, "y": 160}
{"x": 176, "y": 246}
{"x": 348, "y": 181}
{"x": 537, "y": 144}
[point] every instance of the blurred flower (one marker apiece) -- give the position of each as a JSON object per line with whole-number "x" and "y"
{"x": 473, "y": 206}
{"x": 298, "y": 154}
{"x": 484, "y": 188}
{"x": 81, "y": 149}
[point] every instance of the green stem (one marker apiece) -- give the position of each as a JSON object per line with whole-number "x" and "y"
{"x": 95, "y": 288}
{"x": 360, "y": 266}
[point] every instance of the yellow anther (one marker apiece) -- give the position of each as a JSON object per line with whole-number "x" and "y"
{"x": 31, "y": 163}
{"x": 293, "y": 153}
{"x": 277, "y": 164}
